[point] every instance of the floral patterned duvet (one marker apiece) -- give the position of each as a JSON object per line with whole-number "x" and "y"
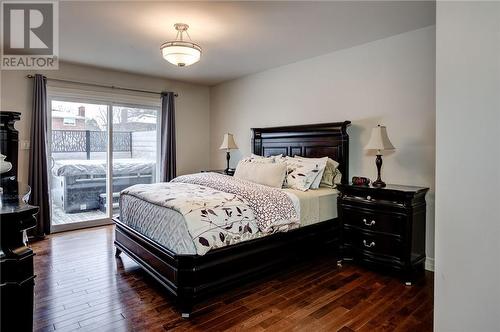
{"x": 220, "y": 210}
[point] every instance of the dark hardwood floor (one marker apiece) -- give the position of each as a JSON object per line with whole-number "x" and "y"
{"x": 81, "y": 285}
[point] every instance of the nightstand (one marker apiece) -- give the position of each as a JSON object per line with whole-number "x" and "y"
{"x": 220, "y": 171}
{"x": 384, "y": 227}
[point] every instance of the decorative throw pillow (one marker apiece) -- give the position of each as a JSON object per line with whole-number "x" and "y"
{"x": 300, "y": 173}
{"x": 268, "y": 174}
{"x": 261, "y": 159}
{"x": 256, "y": 156}
{"x": 337, "y": 179}
{"x": 331, "y": 175}
{"x": 321, "y": 162}
{"x": 258, "y": 159}
{"x": 275, "y": 158}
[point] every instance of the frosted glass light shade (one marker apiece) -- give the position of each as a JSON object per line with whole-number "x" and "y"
{"x": 228, "y": 142}
{"x": 181, "y": 53}
{"x": 379, "y": 140}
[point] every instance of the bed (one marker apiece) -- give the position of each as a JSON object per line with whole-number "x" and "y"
{"x": 190, "y": 276}
{"x": 170, "y": 229}
{"x": 80, "y": 185}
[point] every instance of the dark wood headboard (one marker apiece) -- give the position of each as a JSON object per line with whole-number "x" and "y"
{"x": 313, "y": 141}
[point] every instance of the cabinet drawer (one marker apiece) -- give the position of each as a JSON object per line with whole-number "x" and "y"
{"x": 370, "y": 200}
{"x": 16, "y": 270}
{"x": 373, "y": 244}
{"x": 375, "y": 222}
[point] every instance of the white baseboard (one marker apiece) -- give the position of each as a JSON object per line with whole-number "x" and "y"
{"x": 429, "y": 264}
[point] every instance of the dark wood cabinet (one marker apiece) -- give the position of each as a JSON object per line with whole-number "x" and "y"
{"x": 384, "y": 227}
{"x": 17, "y": 277}
{"x": 9, "y": 140}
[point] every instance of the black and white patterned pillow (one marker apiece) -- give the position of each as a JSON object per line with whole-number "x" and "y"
{"x": 300, "y": 173}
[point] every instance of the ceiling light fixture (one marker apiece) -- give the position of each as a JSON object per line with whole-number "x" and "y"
{"x": 179, "y": 52}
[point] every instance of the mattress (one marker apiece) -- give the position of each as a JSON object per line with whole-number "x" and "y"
{"x": 99, "y": 167}
{"x": 168, "y": 228}
{"x": 316, "y": 205}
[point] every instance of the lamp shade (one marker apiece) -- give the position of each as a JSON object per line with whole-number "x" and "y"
{"x": 379, "y": 140}
{"x": 228, "y": 142}
{"x": 181, "y": 53}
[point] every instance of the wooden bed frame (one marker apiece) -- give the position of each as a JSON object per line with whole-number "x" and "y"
{"x": 190, "y": 278}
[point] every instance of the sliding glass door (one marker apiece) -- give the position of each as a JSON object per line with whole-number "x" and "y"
{"x": 96, "y": 149}
{"x": 134, "y": 148}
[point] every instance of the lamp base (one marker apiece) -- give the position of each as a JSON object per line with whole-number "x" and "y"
{"x": 228, "y": 157}
{"x": 378, "y": 184}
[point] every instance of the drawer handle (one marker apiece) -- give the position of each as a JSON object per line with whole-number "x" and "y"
{"x": 372, "y": 244}
{"x": 371, "y": 223}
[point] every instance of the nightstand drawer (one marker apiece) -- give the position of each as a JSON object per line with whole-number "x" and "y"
{"x": 372, "y": 243}
{"x": 373, "y": 199}
{"x": 373, "y": 221}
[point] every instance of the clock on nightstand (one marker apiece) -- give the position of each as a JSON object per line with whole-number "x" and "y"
{"x": 384, "y": 227}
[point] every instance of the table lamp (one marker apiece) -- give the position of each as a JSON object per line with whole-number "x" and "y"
{"x": 379, "y": 141}
{"x": 228, "y": 144}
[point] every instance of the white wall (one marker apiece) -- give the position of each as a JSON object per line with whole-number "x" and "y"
{"x": 192, "y": 108}
{"x": 467, "y": 278}
{"x": 390, "y": 81}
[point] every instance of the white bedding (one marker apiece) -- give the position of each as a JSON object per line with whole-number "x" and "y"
{"x": 218, "y": 210}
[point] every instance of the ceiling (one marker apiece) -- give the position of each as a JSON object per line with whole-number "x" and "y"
{"x": 237, "y": 38}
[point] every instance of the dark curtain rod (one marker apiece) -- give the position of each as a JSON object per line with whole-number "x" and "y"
{"x": 102, "y": 86}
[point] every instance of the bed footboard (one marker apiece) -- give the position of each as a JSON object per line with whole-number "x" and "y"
{"x": 191, "y": 278}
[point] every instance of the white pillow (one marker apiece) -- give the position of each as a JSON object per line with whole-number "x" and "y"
{"x": 321, "y": 162}
{"x": 268, "y": 174}
{"x": 274, "y": 158}
{"x": 300, "y": 173}
{"x": 261, "y": 159}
